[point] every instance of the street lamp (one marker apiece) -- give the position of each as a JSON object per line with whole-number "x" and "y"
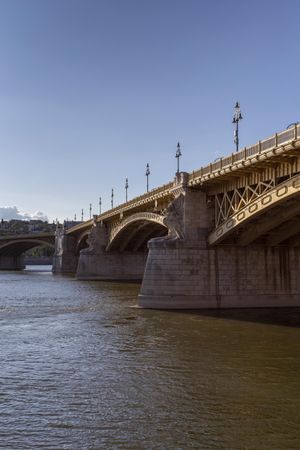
{"x": 236, "y": 118}
{"x": 147, "y": 175}
{"x": 178, "y": 154}
{"x": 100, "y": 203}
{"x": 291, "y": 125}
{"x": 82, "y": 215}
{"x": 112, "y": 198}
{"x": 90, "y": 210}
{"x": 126, "y": 189}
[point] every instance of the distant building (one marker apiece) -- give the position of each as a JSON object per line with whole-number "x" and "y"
{"x": 16, "y": 226}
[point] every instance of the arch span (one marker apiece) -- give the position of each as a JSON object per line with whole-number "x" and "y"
{"x": 18, "y": 246}
{"x": 133, "y": 232}
{"x": 274, "y": 198}
{"x": 82, "y": 242}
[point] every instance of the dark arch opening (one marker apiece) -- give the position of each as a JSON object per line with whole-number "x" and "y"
{"x": 83, "y": 243}
{"x": 135, "y": 236}
{"x": 18, "y": 248}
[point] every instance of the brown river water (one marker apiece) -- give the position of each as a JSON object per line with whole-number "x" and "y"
{"x": 82, "y": 368}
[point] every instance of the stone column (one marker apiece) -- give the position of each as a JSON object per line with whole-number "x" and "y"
{"x": 64, "y": 259}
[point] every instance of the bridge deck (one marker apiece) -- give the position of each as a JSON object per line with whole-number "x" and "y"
{"x": 279, "y": 145}
{"x": 21, "y": 237}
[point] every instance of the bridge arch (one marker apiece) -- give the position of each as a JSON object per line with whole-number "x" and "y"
{"x": 133, "y": 232}
{"x": 272, "y": 199}
{"x": 82, "y": 242}
{"x": 16, "y": 247}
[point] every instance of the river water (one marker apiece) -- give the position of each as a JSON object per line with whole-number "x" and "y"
{"x": 82, "y": 368}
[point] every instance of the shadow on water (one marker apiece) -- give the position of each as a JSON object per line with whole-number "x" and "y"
{"x": 289, "y": 317}
{"x": 284, "y": 316}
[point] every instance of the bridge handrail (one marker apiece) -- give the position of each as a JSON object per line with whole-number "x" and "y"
{"x": 123, "y": 206}
{"x": 260, "y": 147}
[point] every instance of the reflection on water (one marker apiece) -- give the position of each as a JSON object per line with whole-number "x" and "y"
{"x": 82, "y": 369}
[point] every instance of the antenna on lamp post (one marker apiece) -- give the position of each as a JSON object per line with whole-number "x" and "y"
{"x": 236, "y": 118}
{"x": 147, "y": 175}
{"x": 178, "y": 154}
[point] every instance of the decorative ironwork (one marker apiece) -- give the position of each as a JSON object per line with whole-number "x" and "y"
{"x": 228, "y": 203}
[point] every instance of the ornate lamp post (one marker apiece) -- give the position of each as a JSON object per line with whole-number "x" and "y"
{"x": 100, "y": 204}
{"x": 75, "y": 217}
{"x": 82, "y": 215}
{"x": 112, "y": 198}
{"x": 90, "y": 210}
{"x": 126, "y": 189}
{"x": 177, "y": 156}
{"x": 147, "y": 175}
{"x": 236, "y": 118}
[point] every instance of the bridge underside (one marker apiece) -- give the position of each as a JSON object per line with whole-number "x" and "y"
{"x": 12, "y": 253}
{"x": 135, "y": 236}
{"x": 279, "y": 226}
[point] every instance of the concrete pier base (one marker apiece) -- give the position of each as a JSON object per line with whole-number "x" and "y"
{"x": 64, "y": 259}
{"x": 182, "y": 275}
{"x": 95, "y": 263}
{"x": 112, "y": 266}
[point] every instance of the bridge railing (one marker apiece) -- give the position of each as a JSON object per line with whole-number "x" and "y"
{"x": 144, "y": 197}
{"x": 260, "y": 147}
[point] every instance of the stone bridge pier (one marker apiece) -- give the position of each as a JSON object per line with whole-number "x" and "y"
{"x": 65, "y": 259}
{"x": 184, "y": 272}
{"x": 96, "y": 263}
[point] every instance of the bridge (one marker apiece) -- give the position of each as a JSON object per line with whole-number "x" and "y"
{"x": 225, "y": 235}
{"x": 13, "y": 247}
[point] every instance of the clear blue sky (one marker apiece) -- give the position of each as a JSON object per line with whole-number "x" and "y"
{"x": 92, "y": 90}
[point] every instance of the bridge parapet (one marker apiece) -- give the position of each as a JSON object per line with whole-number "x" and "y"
{"x": 250, "y": 155}
{"x": 118, "y": 212}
